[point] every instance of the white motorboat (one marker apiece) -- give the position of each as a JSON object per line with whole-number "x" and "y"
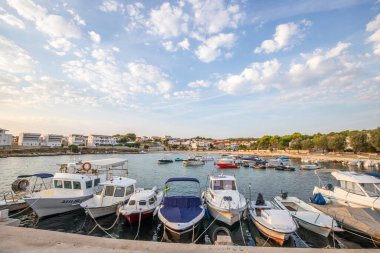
{"x": 109, "y": 195}
{"x": 355, "y": 190}
{"x": 281, "y": 161}
{"x": 141, "y": 205}
{"x": 223, "y": 199}
{"x": 273, "y": 222}
{"x": 307, "y": 216}
{"x": 22, "y": 186}
{"x": 75, "y": 183}
{"x": 193, "y": 162}
{"x": 313, "y": 166}
{"x": 181, "y": 213}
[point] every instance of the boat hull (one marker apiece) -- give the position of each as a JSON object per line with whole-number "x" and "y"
{"x": 135, "y": 217}
{"x": 50, "y": 206}
{"x": 101, "y": 211}
{"x": 227, "y": 166}
{"x": 186, "y": 235}
{"x": 276, "y": 236}
{"x": 226, "y": 217}
{"x": 13, "y": 206}
{"x": 323, "y": 231}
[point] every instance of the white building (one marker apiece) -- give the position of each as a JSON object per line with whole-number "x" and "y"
{"x": 5, "y": 139}
{"x": 51, "y": 140}
{"x": 77, "y": 139}
{"x": 100, "y": 140}
{"x": 29, "y": 139}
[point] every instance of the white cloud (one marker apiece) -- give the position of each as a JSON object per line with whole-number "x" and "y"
{"x": 11, "y": 20}
{"x": 211, "y": 48}
{"x": 112, "y": 6}
{"x": 198, "y": 84}
{"x": 171, "y": 47}
{"x": 62, "y": 45}
{"x": 377, "y": 79}
{"x": 184, "y": 44}
{"x": 186, "y": 94}
{"x": 76, "y": 17}
{"x": 168, "y": 45}
{"x": 57, "y": 26}
{"x": 94, "y": 37}
{"x": 212, "y": 16}
{"x": 135, "y": 15}
{"x": 285, "y": 37}
{"x": 28, "y": 9}
{"x": 374, "y": 27}
{"x": 167, "y": 21}
{"x": 14, "y": 59}
{"x": 257, "y": 77}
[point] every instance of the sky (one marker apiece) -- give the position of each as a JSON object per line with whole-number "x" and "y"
{"x": 189, "y": 68}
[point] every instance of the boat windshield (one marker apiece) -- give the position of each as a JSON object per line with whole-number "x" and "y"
{"x": 99, "y": 189}
{"x": 373, "y": 190}
{"x": 224, "y": 185}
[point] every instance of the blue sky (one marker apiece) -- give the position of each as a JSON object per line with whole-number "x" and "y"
{"x": 186, "y": 68}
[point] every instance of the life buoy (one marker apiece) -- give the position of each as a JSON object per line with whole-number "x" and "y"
{"x": 86, "y": 166}
{"x": 218, "y": 230}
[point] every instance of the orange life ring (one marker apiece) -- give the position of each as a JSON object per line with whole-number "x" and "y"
{"x": 86, "y": 168}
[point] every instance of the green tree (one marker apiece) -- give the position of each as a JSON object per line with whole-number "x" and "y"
{"x": 284, "y": 142}
{"x": 274, "y": 141}
{"x": 296, "y": 144}
{"x": 242, "y": 147}
{"x": 253, "y": 145}
{"x": 337, "y": 142}
{"x": 307, "y": 144}
{"x": 375, "y": 138}
{"x": 359, "y": 141}
{"x": 74, "y": 148}
{"x": 321, "y": 142}
{"x": 264, "y": 142}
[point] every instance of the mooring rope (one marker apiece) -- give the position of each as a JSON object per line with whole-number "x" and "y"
{"x": 102, "y": 228}
{"x": 205, "y": 229}
{"x": 23, "y": 210}
{"x": 241, "y": 229}
{"x": 138, "y": 229}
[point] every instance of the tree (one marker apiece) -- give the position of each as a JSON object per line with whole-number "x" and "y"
{"x": 253, "y": 145}
{"x": 274, "y": 141}
{"x": 242, "y": 147}
{"x": 307, "y": 144}
{"x": 321, "y": 142}
{"x": 375, "y": 138}
{"x": 296, "y": 144}
{"x": 284, "y": 142}
{"x": 337, "y": 142}
{"x": 359, "y": 141}
{"x": 74, "y": 148}
{"x": 264, "y": 142}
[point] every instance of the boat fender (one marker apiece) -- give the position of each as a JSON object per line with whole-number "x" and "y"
{"x": 86, "y": 166}
{"x": 20, "y": 185}
{"x": 217, "y": 231}
{"x": 284, "y": 195}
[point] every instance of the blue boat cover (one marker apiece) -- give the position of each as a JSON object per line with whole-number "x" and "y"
{"x": 40, "y": 175}
{"x": 283, "y": 158}
{"x": 318, "y": 199}
{"x": 178, "y": 179}
{"x": 181, "y": 209}
{"x": 374, "y": 174}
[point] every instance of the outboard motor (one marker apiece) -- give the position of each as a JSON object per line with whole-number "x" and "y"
{"x": 284, "y": 195}
{"x": 260, "y": 200}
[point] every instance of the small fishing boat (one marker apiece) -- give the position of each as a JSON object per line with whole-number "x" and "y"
{"x": 193, "y": 162}
{"x": 141, "y": 205}
{"x": 179, "y": 160}
{"x": 227, "y": 163}
{"x": 355, "y": 190}
{"x": 313, "y": 166}
{"x": 273, "y": 222}
{"x": 307, "y": 216}
{"x": 181, "y": 212}
{"x": 280, "y": 161}
{"x": 223, "y": 199}
{"x": 22, "y": 186}
{"x": 165, "y": 161}
{"x": 285, "y": 168}
{"x": 109, "y": 195}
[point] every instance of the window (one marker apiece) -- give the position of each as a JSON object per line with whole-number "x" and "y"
{"x": 57, "y": 184}
{"x": 142, "y": 202}
{"x": 224, "y": 185}
{"x": 67, "y": 185}
{"x": 119, "y": 192}
{"x": 130, "y": 190}
{"x": 371, "y": 189}
{"x": 151, "y": 201}
{"x": 88, "y": 184}
{"x": 132, "y": 202}
{"x": 109, "y": 190}
{"x": 354, "y": 188}
{"x": 96, "y": 181}
{"x": 99, "y": 189}
{"x": 76, "y": 185}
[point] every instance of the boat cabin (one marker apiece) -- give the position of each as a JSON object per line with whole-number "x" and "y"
{"x": 222, "y": 182}
{"x": 76, "y": 183}
{"x": 359, "y": 184}
{"x": 118, "y": 188}
{"x": 143, "y": 199}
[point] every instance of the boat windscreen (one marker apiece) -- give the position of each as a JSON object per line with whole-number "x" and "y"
{"x": 184, "y": 179}
{"x": 40, "y": 175}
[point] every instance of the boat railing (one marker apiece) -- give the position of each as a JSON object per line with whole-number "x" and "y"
{"x": 5, "y": 195}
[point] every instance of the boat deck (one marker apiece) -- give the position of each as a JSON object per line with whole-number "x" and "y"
{"x": 362, "y": 220}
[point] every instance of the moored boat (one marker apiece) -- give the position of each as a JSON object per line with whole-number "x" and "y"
{"x": 141, "y": 205}
{"x": 313, "y": 166}
{"x": 223, "y": 199}
{"x": 165, "y": 161}
{"x": 273, "y": 222}
{"x": 193, "y": 162}
{"x": 227, "y": 163}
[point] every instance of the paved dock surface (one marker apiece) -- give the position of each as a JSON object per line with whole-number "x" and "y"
{"x": 16, "y": 239}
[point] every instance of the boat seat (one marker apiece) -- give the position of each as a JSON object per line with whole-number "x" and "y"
{"x": 181, "y": 209}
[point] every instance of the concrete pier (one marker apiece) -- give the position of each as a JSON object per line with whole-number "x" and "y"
{"x": 16, "y": 239}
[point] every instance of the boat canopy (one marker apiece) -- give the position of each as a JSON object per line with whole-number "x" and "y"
{"x": 355, "y": 177}
{"x": 119, "y": 181}
{"x": 107, "y": 163}
{"x": 326, "y": 171}
{"x": 178, "y": 179}
{"x": 40, "y": 175}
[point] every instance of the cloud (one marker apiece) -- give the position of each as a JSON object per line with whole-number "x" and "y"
{"x": 211, "y": 48}
{"x": 212, "y": 16}
{"x": 11, "y": 20}
{"x": 198, "y": 84}
{"x": 374, "y": 27}
{"x": 171, "y": 47}
{"x": 76, "y": 17}
{"x": 184, "y": 44}
{"x": 186, "y": 94}
{"x": 57, "y": 26}
{"x": 61, "y": 45}
{"x": 28, "y": 9}
{"x": 112, "y": 6}
{"x": 135, "y": 16}
{"x": 167, "y": 21}
{"x": 285, "y": 37}
{"x": 168, "y": 45}
{"x": 94, "y": 37}
{"x": 257, "y": 77}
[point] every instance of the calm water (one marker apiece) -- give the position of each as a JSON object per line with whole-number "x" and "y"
{"x": 144, "y": 168}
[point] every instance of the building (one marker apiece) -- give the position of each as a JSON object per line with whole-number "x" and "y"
{"x": 15, "y": 140}
{"x": 77, "y": 139}
{"x": 51, "y": 140}
{"x": 5, "y": 139}
{"x": 100, "y": 140}
{"x": 29, "y": 139}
